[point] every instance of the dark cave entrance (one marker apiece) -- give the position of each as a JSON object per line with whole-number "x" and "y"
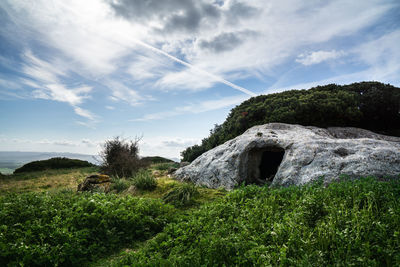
{"x": 263, "y": 163}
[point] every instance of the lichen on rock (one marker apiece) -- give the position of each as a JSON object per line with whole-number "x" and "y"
{"x": 285, "y": 154}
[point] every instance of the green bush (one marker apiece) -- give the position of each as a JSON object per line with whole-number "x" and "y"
{"x": 345, "y": 224}
{"x": 144, "y": 180}
{"x": 370, "y": 105}
{"x": 181, "y": 195}
{"x": 53, "y": 163}
{"x": 69, "y": 229}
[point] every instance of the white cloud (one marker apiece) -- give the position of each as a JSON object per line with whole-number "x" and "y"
{"x": 121, "y": 92}
{"x": 84, "y": 113}
{"x": 133, "y": 57}
{"x": 6, "y": 84}
{"x": 165, "y": 146}
{"x": 46, "y": 78}
{"x": 98, "y": 44}
{"x": 87, "y": 124}
{"x": 90, "y": 143}
{"x": 382, "y": 56}
{"x": 195, "y": 108}
{"x": 110, "y": 107}
{"x": 317, "y": 57}
{"x": 40, "y": 70}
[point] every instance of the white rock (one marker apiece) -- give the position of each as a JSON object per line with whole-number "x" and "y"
{"x": 309, "y": 153}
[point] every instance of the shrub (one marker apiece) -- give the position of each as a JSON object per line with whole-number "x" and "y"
{"x": 53, "y": 163}
{"x": 121, "y": 157}
{"x": 182, "y": 195}
{"x": 144, "y": 180}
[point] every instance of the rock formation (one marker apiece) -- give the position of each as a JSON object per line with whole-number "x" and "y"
{"x": 97, "y": 182}
{"x": 285, "y": 154}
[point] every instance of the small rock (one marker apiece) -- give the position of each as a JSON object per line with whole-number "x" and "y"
{"x": 171, "y": 170}
{"x": 97, "y": 182}
{"x": 132, "y": 190}
{"x": 183, "y": 164}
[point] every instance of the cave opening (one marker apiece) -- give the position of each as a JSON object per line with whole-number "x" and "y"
{"x": 263, "y": 164}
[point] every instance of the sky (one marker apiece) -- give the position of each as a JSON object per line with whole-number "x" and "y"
{"x": 76, "y": 73}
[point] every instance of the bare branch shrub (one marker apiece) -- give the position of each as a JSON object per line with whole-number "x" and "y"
{"x": 121, "y": 157}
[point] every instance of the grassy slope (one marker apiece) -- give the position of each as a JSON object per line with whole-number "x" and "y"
{"x": 347, "y": 223}
{"x": 352, "y": 223}
{"x": 44, "y": 180}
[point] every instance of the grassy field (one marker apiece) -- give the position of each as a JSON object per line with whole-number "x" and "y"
{"x": 43, "y": 221}
{"x": 44, "y": 180}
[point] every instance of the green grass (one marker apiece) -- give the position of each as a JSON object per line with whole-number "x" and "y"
{"x": 45, "y": 180}
{"x": 182, "y": 195}
{"x": 345, "y": 224}
{"x": 144, "y": 180}
{"x": 165, "y": 166}
{"x": 120, "y": 184}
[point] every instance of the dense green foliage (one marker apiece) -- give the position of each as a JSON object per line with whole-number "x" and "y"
{"x": 121, "y": 157}
{"x": 53, "y": 163}
{"x": 181, "y": 195}
{"x": 345, "y": 224}
{"x": 369, "y": 105}
{"x": 157, "y": 159}
{"x": 69, "y": 229}
{"x": 144, "y": 180}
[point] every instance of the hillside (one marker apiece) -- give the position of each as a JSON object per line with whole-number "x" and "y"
{"x": 370, "y": 105}
{"x": 53, "y": 164}
{"x": 11, "y": 160}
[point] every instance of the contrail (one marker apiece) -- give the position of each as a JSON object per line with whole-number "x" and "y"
{"x": 213, "y": 76}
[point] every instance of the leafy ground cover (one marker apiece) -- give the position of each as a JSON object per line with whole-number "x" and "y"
{"x": 351, "y": 223}
{"x": 70, "y": 229}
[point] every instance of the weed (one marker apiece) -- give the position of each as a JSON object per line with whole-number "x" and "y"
{"x": 182, "y": 195}
{"x": 120, "y": 184}
{"x": 144, "y": 180}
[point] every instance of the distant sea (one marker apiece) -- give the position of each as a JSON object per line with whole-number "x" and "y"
{"x": 11, "y": 160}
